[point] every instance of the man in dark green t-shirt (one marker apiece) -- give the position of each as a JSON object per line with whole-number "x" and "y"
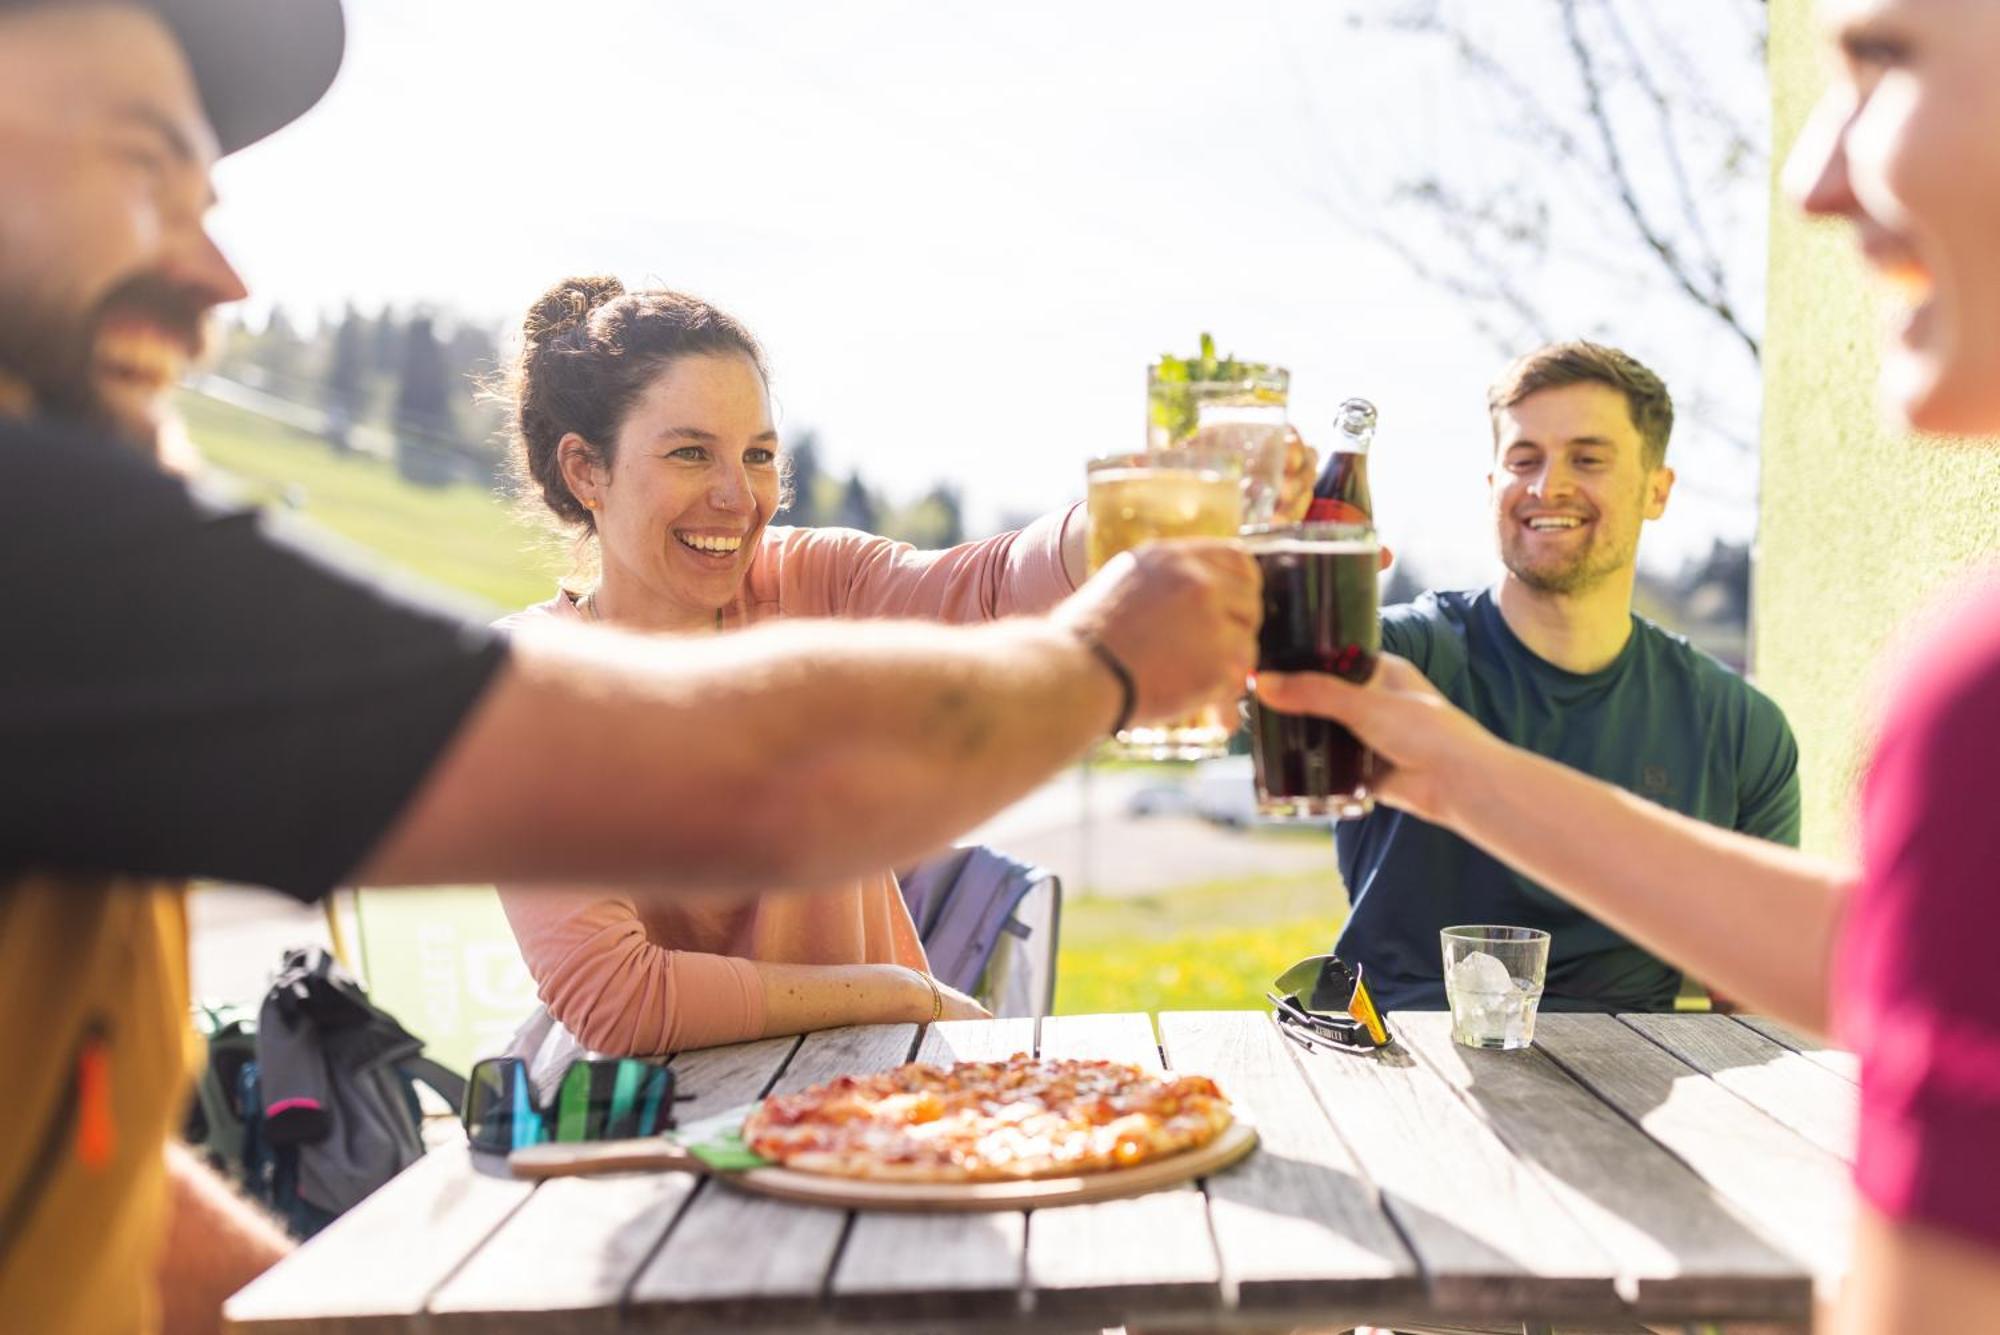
{"x": 1554, "y": 660}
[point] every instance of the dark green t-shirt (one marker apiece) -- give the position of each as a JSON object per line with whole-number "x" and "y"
{"x": 1664, "y": 721}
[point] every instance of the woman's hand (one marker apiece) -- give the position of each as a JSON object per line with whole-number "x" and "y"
{"x": 1295, "y": 490}
{"x": 799, "y": 998}
{"x": 917, "y": 1001}
{"x": 1432, "y": 748}
{"x": 1295, "y": 493}
{"x": 958, "y": 1006}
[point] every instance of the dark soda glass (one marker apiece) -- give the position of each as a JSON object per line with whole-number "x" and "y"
{"x": 1321, "y": 614}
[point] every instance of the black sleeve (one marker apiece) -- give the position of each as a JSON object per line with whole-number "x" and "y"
{"x": 184, "y": 693}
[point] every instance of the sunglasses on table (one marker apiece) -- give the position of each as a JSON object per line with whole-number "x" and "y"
{"x": 603, "y": 1099}
{"x": 1322, "y": 1002}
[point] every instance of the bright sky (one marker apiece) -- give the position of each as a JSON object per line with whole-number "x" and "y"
{"x": 961, "y": 230}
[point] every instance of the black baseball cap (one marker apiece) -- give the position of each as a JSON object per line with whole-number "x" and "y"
{"x": 260, "y": 64}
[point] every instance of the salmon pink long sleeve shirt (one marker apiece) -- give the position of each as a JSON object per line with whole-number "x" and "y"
{"x": 630, "y": 974}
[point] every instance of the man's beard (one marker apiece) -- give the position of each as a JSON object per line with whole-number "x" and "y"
{"x": 1583, "y": 570}
{"x": 52, "y": 350}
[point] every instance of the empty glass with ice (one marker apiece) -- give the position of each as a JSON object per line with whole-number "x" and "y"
{"x": 1493, "y": 982}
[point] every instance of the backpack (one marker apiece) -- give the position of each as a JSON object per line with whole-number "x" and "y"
{"x": 313, "y": 1105}
{"x": 219, "y": 1117}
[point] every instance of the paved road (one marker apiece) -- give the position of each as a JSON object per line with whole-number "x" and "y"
{"x": 1078, "y": 826}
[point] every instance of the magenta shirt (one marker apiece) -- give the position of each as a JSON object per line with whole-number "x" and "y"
{"x": 627, "y": 974}
{"x": 1917, "y": 987}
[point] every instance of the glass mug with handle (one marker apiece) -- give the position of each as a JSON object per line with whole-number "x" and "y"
{"x": 1146, "y": 496}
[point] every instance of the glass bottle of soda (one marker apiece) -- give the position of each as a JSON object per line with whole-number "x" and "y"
{"x": 1341, "y": 494}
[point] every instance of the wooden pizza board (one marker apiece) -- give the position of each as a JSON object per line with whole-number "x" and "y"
{"x": 613, "y": 1156}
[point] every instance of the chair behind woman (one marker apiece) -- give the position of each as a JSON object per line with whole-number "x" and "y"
{"x": 989, "y": 925}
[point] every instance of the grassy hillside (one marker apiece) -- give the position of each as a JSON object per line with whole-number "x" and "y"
{"x": 461, "y": 536}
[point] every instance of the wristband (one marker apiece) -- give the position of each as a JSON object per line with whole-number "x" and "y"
{"x": 1128, "y": 690}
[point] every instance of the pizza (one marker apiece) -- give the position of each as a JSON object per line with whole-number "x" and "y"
{"x": 988, "y": 1121}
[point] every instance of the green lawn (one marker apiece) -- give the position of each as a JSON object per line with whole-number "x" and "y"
{"x": 1212, "y": 946}
{"x": 462, "y": 536}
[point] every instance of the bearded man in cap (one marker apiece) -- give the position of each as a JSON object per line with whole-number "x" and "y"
{"x": 183, "y": 694}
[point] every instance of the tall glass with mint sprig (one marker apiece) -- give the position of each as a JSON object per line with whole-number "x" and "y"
{"x": 1222, "y": 403}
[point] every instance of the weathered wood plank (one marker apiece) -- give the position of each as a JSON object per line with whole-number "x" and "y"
{"x": 1679, "y": 1249}
{"x": 1795, "y": 1092}
{"x": 1841, "y": 1062}
{"x": 1297, "y": 1224}
{"x": 1152, "y": 1252}
{"x": 1795, "y": 1193}
{"x": 1491, "y": 1236}
{"x": 375, "y": 1266}
{"x": 564, "y": 1260}
{"x": 732, "y": 1256}
{"x": 944, "y": 1265}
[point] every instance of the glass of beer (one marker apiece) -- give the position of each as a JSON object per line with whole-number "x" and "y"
{"x": 1240, "y": 409}
{"x": 1155, "y": 495}
{"x": 1321, "y": 614}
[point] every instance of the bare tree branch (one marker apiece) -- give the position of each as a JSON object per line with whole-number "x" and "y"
{"x": 1716, "y": 302}
{"x": 1477, "y": 297}
{"x": 1663, "y": 115}
{"x": 1691, "y": 80}
{"x": 1595, "y": 160}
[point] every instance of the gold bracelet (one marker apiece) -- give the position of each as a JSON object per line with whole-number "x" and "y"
{"x": 937, "y": 998}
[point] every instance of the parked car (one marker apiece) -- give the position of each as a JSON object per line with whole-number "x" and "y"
{"x": 1223, "y": 791}
{"x": 1167, "y": 798}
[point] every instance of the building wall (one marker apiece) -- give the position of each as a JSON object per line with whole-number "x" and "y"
{"x": 1860, "y": 526}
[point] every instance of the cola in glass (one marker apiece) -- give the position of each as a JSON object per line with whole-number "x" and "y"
{"x": 1321, "y": 614}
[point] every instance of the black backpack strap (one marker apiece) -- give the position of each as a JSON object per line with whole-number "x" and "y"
{"x": 447, "y": 1082}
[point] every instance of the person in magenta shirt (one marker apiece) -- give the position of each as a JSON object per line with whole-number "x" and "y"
{"x": 1892, "y": 956}
{"x": 643, "y": 423}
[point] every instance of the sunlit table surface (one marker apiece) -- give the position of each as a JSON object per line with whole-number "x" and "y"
{"x": 1632, "y": 1168}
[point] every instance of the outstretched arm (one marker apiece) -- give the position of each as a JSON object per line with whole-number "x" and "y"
{"x": 1755, "y": 919}
{"x": 841, "y": 572}
{"x": 803, "y": 752}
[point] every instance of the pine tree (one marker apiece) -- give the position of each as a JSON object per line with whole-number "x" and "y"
{"x": 347, "y": 378}
{"x": 279, "y": 352}
{"x": 385, "y": 343}
{"x": 944, "y": 499}
{"x": 857, "y": 507}
{"x": 423, "y": 407}
{"x": 802, "y": 456}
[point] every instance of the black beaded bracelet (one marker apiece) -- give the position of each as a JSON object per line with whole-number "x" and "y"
{"x": 1128, "y": 690}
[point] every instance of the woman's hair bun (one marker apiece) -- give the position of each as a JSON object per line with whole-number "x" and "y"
{"x": 567, "y": 305}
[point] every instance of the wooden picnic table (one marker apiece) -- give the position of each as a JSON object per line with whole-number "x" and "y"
{"x": 1641, "y": 1167}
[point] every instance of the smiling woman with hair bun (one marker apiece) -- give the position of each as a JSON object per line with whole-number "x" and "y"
{"x": 642, "y": 420}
